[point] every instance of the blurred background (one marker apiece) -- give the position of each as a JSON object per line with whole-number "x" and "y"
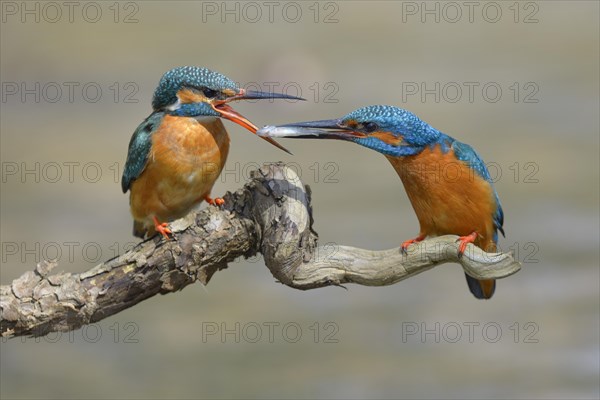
{"x": 519, "y": 81}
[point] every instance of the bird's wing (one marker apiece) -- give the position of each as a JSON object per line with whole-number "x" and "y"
{"x": 466, "y": 153}
{"x": 139, "y": 149}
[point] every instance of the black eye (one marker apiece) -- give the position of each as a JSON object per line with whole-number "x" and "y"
{"x": 370, "y": 127}
{"x": 209, "y": 93}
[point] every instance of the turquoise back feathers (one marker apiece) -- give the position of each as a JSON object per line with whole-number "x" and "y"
{"x": 139, "y": 149}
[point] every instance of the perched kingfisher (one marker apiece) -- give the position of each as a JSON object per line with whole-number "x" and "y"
{"x": 446, "y": 181}
{"x": 177, "y": 153}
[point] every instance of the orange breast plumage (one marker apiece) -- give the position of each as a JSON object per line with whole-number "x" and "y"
{"x": 447, "y": 196}
{"x": 185, "y": 160}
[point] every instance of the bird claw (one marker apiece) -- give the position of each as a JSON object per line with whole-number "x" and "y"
{"x": 163, "y": 229}
{"x": 407, "y": 243}
{"x": 464, "y": 241}
{"x": 217, "y": 201}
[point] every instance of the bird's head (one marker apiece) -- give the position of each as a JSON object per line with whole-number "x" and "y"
{"x": 389, "y": 130}
{"x": 197, "y": 92}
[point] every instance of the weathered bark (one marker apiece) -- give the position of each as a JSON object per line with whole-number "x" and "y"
{"x": 271, "y": 215}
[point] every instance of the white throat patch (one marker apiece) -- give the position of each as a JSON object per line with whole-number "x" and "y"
{"x": 174, "y": 106}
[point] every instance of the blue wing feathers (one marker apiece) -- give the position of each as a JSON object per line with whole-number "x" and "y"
{"x": 499, "y": 217}
{"x": 139, "y": 149}
{"x": 466, "y": 153}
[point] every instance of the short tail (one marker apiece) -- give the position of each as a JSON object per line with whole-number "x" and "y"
{"x": 139, "y": 229}
{"x": 481, "y": 289}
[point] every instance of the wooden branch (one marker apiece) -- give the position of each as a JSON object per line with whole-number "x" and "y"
{"x": 271, "y": 215}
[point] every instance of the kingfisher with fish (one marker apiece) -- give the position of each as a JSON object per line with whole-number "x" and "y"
{"x": 464, "y": 204}
{"x": 177, "y": 153}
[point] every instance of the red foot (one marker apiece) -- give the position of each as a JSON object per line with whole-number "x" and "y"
{"x": 217, "y": 201}
{"x": 464, "y": 241}
{"x": 162, "y": 228}
{"x": 407, "y": 243}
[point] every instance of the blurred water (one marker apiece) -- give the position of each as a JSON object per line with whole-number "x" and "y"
{"x": 545, "y": 154}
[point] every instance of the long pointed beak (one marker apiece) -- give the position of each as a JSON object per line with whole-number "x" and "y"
{"x": 323, "y": 129}
{"x": 254, "y": 94}
{"x": 229, "y": 113}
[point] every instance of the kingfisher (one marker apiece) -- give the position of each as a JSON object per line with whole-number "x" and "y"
{"x": 447, "y": 182}
{"x": 177, "y": 153}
